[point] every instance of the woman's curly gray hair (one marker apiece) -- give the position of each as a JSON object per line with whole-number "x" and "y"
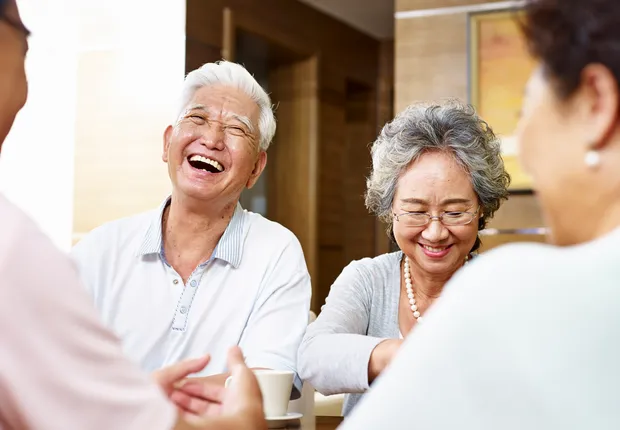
{"x": 452, "y": 127}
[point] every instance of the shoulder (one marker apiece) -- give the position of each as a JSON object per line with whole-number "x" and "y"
{"x": 273, "y": 249}
{"x": 530, "y": 267}
{"x": 24, "y": 246}
{"x": 16, "y": 227}
{"x": 380, "y": 266}
{"x": 518, "y": 260}
{"x": 119, "y": 233}
{"x": 372, "y": 271}
{"x": 12, "y": 218}
{"x": 272, "y": 238}
{"x": 261, "y": 228}
{"x": 509, "y": 276}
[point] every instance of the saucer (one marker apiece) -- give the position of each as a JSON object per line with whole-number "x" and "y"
{"x": 275, "y": 422}
{"x": 287, "y": 417}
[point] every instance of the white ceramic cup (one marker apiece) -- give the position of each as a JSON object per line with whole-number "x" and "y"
{"x": 276, "y": 387}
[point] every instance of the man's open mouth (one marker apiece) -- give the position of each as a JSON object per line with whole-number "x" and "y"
{"x": 205, "y": 163}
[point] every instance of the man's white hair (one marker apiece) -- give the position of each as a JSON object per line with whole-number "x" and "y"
{"x": 236, "y": 76}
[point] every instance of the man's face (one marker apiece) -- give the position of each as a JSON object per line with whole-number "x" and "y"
{"x": 13, "y": 84}
{"x": 213, "y": 150}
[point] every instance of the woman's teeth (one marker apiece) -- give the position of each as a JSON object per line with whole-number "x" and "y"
{"x": 432, "y": 249}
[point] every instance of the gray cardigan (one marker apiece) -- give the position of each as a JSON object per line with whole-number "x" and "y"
{"x": 361, "y": 311}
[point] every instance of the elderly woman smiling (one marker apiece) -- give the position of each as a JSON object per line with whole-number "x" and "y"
{"x": 437, "y": 178}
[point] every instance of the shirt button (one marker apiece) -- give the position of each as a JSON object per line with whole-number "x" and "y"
{"x": 183, "y": 310}
{"x": 193, "y": 283}
{"x": 176, "y": 281}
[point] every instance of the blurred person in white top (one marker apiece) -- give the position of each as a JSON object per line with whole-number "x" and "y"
{"x": 59, "y": 368}
{"x": 199, "y": 273}
{"x": 528, "y": 335}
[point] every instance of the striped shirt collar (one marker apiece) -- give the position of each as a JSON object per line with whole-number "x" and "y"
{"x": 228, "y": 249}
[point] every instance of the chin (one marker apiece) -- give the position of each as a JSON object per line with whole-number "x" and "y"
{"x": 197, "y": 192}
{"x": 202, "y": 195}
{"x": 438, "y": 266}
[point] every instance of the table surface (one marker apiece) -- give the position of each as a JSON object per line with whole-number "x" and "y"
{"x": 322, "y": 423}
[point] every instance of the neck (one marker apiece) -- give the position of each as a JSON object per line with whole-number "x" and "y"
{"x": 607, "y": 221}
{"x": 429, "y": 285}
{"x": 594, "y": 218}
{"x": 191, "y": 230}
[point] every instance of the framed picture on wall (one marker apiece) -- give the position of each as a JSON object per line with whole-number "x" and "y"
{"x": 499, "y": 67}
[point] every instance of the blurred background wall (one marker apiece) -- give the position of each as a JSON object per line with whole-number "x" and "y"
{"x": 104, "y": 80}
{"x": 36, "y": 167}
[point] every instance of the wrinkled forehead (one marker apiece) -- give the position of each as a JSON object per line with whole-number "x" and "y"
{"x": 435, "y": 175}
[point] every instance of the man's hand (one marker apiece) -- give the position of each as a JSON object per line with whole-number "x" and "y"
{"x": 241, "y": 403}
{"x": 170, "y": 378}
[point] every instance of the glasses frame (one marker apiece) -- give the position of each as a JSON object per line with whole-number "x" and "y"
{"x": 430, "y": 218}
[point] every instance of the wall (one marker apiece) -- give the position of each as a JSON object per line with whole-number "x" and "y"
{"x": 385, "y": 113}
{"x": 292, "y": 24}
{"x": 130, "y": 72}
{"x": 430, "y": 53}
{"x": 86, "y": 149}
{"x": 36, "y": 166}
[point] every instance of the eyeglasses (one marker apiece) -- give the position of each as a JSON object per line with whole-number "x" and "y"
{"x": 419, "y": 219}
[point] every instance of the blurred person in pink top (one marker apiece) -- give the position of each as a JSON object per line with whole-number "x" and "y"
{"x": 59, "y": 368}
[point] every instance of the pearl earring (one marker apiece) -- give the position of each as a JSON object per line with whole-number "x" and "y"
{"x": 592, "y": 158}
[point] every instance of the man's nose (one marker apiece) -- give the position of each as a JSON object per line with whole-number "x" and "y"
{"x": 213, "y": 136}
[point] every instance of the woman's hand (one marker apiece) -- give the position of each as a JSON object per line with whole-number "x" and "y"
{"x": 382, "y": 356}
{"x": 243, "y": 395}
{"x": 171, "y": 378}
{"x": 239, "y": 405}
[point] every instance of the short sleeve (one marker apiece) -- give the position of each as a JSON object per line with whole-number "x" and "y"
{"x": 278, "y": 323}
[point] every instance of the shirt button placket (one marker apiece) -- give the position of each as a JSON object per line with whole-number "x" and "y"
{"x": 187, "y": 296}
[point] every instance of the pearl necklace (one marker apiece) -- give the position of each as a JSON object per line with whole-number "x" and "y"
{"x": 409, "y": 288}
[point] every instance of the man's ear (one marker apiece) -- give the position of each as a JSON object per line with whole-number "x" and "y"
{"x": 259, "y": 166}
{"x": 167, "y": 137}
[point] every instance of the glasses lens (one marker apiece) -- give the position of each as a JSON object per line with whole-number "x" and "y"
{"x": 414, "y": 220}
{"x": 448, "y": 218}
{"x": 457, "y": 218}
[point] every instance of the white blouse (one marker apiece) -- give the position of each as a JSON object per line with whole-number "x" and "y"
{"x": 525, "y": 337}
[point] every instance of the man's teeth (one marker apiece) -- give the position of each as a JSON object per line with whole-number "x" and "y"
{"x": 213, "y": 163}
{"x": 431, "y": 249}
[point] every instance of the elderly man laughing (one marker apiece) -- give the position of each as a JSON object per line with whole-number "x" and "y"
{"x": 200, "y": 273}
